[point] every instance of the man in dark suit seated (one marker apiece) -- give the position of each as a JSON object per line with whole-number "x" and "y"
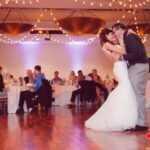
{"x": 30, "y": 94}
{"x": 94, "y": 75}
{"x": 45, "y": 95}
{"x": 88, "y": 90}
{"x": 78, "y": 91}
{"x": 1, "y": 80}
{"x": 25, "y": 94}
{"x": 29, "y": 77}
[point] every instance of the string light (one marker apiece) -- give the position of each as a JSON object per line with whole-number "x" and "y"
{"x": 18, "y": 2}
{"x": 110, "y": 3}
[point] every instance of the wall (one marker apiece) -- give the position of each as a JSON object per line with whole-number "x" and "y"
{"x": 17, "y": 58}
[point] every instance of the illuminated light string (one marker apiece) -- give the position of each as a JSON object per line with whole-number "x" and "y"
{"x": 135, "y": 21}
{"x": 72, "y": 42}
{"x": 144, "y": 38}
{"x": 110, "y": 3}
{"x": 125, "y": 13}
{"x": 22, "y": 2}
{"x": 6, "y": 41}
{"x": 134, "y": 13}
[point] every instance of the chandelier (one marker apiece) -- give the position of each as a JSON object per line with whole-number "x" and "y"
{"x": 17, "y": 27}
{"x": 81, "y": 25}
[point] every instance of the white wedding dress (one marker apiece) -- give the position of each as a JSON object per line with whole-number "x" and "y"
{"x": 119, "y": 112}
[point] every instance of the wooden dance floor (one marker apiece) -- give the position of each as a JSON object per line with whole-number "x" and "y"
{"x": 63, "y": 129}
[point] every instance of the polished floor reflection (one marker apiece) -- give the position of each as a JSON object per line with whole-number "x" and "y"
{"x": 63, "y": 129}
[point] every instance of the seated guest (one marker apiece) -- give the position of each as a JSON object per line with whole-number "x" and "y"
{"x": 29, "y": 77}
{"x": 97, "y": 79}
{"x": 10, "y": 80}
{"x": 20, "y": 81}
{"x": 108, "y": 83}
{"x": 95, "y": 76}
{"x": 29, "y": 94}
{"x": 78, "y": 91}
{"x": 80, "y": 76}
{"x": 114, "y": 84}
{"x": 1, "y": 80}
{"x": 72, "y": 78}
{"x": 38, "y": 79}
{"x": 56, "y": 79}
{"x": 24, "y": 94}
{"x": 89, "y": 87}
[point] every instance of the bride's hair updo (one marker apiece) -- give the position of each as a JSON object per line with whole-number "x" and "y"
{"x": 103, "y": 34}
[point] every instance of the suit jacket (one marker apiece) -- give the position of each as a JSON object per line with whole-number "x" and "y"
{"x": 89, "y": 90}
{"x": 135, "y": 49}
{"x": 1, "y": 83}
{"x": 45, "y": 94}
{"x": 26, "y": 79}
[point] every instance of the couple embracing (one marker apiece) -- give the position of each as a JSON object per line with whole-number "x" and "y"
{"x": 124, "y": 109}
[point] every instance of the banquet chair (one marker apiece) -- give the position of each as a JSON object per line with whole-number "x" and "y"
{"x": 45, "y": 95}
{"x": 3, "y": 104}
{"x": 89, "y": 91}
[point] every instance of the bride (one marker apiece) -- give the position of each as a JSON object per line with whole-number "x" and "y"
{"x": 119, "y": 112}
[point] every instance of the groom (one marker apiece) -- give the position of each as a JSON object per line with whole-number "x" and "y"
{"x": 138, "y": 69}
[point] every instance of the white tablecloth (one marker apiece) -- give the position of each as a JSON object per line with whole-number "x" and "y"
{"x": 62, "y": 94}
{"x": 13, "y": 98}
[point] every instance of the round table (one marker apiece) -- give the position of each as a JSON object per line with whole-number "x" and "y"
{"x": 13, "y": 98}
{"x": 62, "y": 94}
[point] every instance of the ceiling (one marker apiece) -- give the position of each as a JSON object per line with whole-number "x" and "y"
{"x": 71, "y": 3}
{"x": 63, "y": 8}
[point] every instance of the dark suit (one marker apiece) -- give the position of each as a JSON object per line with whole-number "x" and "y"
{"x": 26, "y": 96}
{"x": 138, "y": 72}
{"x": 28, "y": 80}
{"x": 136, "y": 52}
{"x": 45, "y": 94}
{"x": 89, "y": 90}
{"x": 1, "y": 83}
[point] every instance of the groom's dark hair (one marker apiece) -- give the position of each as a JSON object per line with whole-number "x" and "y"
{"x": 119, "y": 26}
